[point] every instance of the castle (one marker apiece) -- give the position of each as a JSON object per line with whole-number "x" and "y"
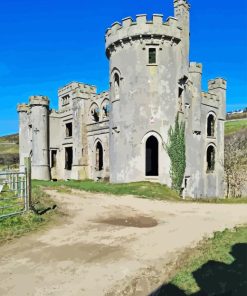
{"x": 120, "y": 135}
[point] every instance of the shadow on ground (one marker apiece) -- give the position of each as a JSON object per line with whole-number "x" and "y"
{"x": 216, "y": 278}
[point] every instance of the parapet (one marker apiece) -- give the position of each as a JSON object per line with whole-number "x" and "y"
{"x": 217, "y": 83}
{"x": 39, "y": 101}
{"x": 129, "y": 30}
{"x": 195, "y": 68}
{"x": 76, "y": 86}
{"x": 178, "y": 3}
{"x": 23, "y": 108}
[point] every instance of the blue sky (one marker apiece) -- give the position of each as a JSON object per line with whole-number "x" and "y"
{"x": 46, "y": 44}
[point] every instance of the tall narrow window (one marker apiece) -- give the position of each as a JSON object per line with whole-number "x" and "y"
{"x": 69, "y": 131}
{"x": 53, "y": 158}
{"x": 152, "y": 156}
{"x": 99, "y": 157}
{"x": 152, "y": 56}
{"x": 116, "y": 85}
{"x": 210, "y": 159}
{"x": 211, "y": 125}
{"x": 68, "y": 158}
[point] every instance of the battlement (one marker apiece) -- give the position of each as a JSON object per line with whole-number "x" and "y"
{"x": 210, "y": 99}
{"x": 195, "y": 68}
{"x": 184, "y": 3}
{"x": 73, "y": 86}
{"x": 102, "y": 96}
{"x": 39, "y": 100}
{"x": 129, "y": 30}
{"x": 23, "y": 108}
{"x": 217, "y": 83}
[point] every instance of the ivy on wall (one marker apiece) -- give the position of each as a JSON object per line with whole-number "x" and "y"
{"x": 176, "y": 151}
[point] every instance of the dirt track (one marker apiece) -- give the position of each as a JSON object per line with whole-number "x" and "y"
{"x": 105, "y": 242}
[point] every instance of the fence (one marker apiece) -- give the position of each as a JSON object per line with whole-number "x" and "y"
{"x": 15, "y": 191}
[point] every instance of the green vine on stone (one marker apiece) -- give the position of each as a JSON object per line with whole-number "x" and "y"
{"x": 176, "y": 151}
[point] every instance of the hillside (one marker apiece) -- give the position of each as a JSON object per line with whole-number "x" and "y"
{"x": 9, "y": 150}
{"x": 235, "y": 126}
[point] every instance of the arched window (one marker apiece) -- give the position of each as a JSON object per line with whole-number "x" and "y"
{"x": 211, "y": 125}
{"x": 99, "y": 157}
{"x": 116, "y": 85}
{"x": 210, "y": 158}
{"x": 152, "y": 156}
{"x": 94, "y": 113}
{"x": 105, "y": 109}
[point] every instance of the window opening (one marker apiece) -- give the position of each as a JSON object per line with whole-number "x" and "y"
{"x": 152, "y": 157}
{"x": 106, "y": 110}
{"x": 116, "y": 85}
{"x": 99, "y": 157}
{"x": 95, "y": 114}
{"x": 69, "y": 131}
{"x": 152, "y": 56}
{"x": 68, "y": 158}
{"x": 53, "y": 158}
{"x": 211, "y": 125}
{"x": 210, "y": 159}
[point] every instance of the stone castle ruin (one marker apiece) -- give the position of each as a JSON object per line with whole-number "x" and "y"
{"x": 121, "y": 135}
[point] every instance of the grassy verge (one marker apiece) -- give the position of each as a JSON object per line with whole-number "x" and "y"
{"x": 17, "y": 226}
{"x": 142, "y": 189}
{"x": 213, "y": 265}
{"x": 232, "y": 127}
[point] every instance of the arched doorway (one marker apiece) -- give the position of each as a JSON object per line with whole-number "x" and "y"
{"x": 99, "y": 157}
{"x": 152, "y": 156}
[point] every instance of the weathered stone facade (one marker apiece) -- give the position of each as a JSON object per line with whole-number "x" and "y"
{"x": 121, "y": 134}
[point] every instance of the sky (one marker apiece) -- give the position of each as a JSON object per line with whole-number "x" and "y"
{"x": 47, "y": 44}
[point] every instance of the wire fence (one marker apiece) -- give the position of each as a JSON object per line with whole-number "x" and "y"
{"x": 14, "y": 192}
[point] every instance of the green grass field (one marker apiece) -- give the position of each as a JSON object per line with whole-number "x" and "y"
{"x": 212, "y": 262}
{"x": 147, "y": 190}
{"x": 17, "y": 226}
{"x": 141, "y": 189}
{"x": 232, "y": 127}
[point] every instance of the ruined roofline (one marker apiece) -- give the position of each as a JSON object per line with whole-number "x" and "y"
{"x": 143, "y": 27}
{"x": 87, "y": 88}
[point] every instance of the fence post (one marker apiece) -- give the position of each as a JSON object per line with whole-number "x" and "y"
{"x": 28, "y": 183}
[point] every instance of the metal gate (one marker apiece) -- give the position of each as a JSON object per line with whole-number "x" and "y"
{"x": 15, "y": 191}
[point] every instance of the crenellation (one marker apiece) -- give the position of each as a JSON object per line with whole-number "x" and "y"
{"x": 195, "y": 67}
{"x": 217, "y": 83}
{"x": 130, "y": 30}
{"x": 127, "y": 22}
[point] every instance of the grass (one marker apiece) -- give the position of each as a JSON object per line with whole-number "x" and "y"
{"x": 216, "y": 249}
{"x": 10, "y": 201}
{"x": 142, "y": 189}
{"x": 232, "y": 127}
{"x": 147, "y": 190}
{"x": 17, "y": 226}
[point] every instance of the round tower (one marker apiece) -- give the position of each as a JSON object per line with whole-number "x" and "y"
{"x": 40, "y": 148}
{"x": 145, "y": 74}
{"x": 24, "y": 134}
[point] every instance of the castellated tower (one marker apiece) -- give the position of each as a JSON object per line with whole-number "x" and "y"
{"x": 24, "y": 133}
{"x": 39, "y": 106}
{"x": 145, "y": 71}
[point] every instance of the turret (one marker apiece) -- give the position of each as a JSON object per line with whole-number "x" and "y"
{"x": 218, "y": 87}
{"x": 40, "y": 150}
{"x": 24, "y": 133}
{"x": 182, "y": 13}
{"x": 145, "y": 58}
{"x": 196, "y": 79}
